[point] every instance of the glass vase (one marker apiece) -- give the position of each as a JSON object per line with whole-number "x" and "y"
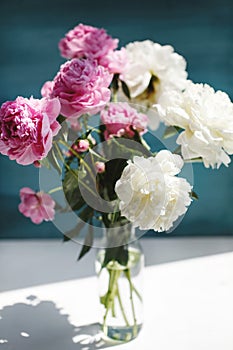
{"x": 119, "y": 270}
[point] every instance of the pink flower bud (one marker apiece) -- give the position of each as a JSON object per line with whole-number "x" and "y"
{"x": 68, "y": 154}
{"x": 37, "y": 164}
{"x": 100, "y": 167}
{"x": 82, "y": 146}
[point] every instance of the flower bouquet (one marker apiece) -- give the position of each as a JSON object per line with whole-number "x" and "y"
{"x": 94, "y": 129}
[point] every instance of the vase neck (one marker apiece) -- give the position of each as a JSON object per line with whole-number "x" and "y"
{"x": 120, "y": 235}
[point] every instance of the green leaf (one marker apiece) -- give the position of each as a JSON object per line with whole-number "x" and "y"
{"x": 53, "y": 160}
{"x": 121, "y": 148}
{"x": 171, "y": 131}
{"x": 74, "y": 232}
{"x": 71, "y": 189}
{"x": 58, "y": 207}
{"x": 125, "y": 89}
{"x": 103, "y": 299}
{"x": 63, "y": 132}
{"x": 119, "y": 254}
{"x": 55, "y": 154}
{"x": 106, "y": 181}
{"x": 87, "y": 243}
{"x": 178, "y": 150}
{"x": 114, "y": 83}
{"x": 61, "y": 119}
{"x": 86, "y": 214}
{"x": 194, "y": 195}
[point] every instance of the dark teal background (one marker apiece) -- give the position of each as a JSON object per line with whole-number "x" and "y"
{"x": 202, "y": 31}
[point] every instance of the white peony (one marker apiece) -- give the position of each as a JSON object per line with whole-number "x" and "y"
{"x": 150, "y": 194}
{"x": 207, "y": 119}
{"x": 151, "y": 69}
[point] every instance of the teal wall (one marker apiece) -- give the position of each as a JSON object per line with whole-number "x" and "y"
{"x": 202, "y": 31}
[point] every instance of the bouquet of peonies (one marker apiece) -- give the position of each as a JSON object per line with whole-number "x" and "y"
{"x": 109, "y": 172}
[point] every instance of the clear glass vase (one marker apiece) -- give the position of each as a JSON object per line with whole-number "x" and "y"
{"x": 119, "y": 270}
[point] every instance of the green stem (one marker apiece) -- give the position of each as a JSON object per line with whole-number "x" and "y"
{"x": 114, "y": 97}
{"x": 115, "y": 211}
{"x": 126, "y": 149}
{"x": 134, "y": 288}
{"x": 122, "y": 308}
{"x": 93, "y": 129}
{"x": 85, "y": 119}
{"x": 75, "y": 154}
{"x": 136, "y": 292}
{"x": 59, "y": 152}
{"x": 55, "y": 189}
{"x": 81, "y": 159}
{"x": 69, "y": 169}
{"x": 113, "y": 291}
{"x": 113, "y": 277}
{"x": 194, "y": 160}
{"x": 128, "y": 275}
{"x": 98, "y": 155}
{"x": 113, "y": 309}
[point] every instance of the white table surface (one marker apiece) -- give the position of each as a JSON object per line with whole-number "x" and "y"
{"x": 188, "y": 299}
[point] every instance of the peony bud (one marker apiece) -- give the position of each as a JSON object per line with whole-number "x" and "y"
{"x": 82, "y": 146}
{"x": 100, "y": 167}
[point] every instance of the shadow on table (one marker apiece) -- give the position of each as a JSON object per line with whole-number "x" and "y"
{"x": 40, "y": 326}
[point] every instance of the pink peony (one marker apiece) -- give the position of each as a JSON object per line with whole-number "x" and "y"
{"x": 36, "y": 206}
{"x": 47, "y": 89}
{"x": 82, "y": 87}
{"x": 115, "y": 61}
{"x": 87, "y": 41}
{"x": 27, "y": 127}
{"x": 122, "y": 120}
